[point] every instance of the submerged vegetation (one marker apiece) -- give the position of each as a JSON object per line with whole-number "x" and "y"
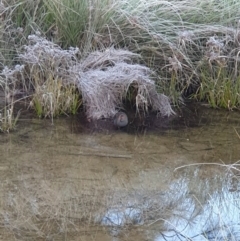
{"x": 63, "y": 52}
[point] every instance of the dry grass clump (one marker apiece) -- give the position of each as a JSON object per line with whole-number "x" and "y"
{"x": 219, "y": 71}
{"x": 53, "y": 98}
{"x": 7, "y": 119}
{"x": 103, "y": 79}
{"x": 46, "y": 66}
{"x": 41, "y": 74}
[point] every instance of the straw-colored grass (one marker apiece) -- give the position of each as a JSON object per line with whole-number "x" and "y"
{"x": 53, "y": 98}
{"x": 103, "y": 78}
{"x": 7, "y": 118}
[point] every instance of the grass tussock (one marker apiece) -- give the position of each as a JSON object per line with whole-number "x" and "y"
{"x": 222, "y": 91}
{"x": 105, "y": 84}
{"x": 53, "y": 98}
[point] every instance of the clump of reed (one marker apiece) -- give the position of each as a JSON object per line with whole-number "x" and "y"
{"x": 219, "y": 72}
{"x": 223, "y": 91}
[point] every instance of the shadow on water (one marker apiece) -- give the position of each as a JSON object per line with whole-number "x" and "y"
{"x": 157, "y": 179}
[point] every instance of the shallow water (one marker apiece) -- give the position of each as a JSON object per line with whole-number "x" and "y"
{"x": 74, "y": 180}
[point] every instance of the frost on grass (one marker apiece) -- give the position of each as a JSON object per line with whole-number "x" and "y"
{"x": 47, "y": 58}
{"x": 105, "y": 85}
{"x": 103, "y": 78}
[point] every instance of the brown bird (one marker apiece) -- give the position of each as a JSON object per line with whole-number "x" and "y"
{"x": 120, "y": 119}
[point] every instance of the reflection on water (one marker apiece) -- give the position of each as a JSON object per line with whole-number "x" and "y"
{"x": 70, "y": 180}
{"x": 129, "y": 215}
{"x": 216, "y": 219}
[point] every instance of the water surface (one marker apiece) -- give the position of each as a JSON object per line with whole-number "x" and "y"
{"x": 158, "y": 180}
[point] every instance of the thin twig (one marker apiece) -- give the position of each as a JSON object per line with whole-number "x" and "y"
{"x": 204, "y": 163}
{"x": 104, "y": 155}
{"x": 236, "y": 132}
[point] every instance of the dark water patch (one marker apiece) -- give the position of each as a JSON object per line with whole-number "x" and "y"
{"x": 191, "y": 115}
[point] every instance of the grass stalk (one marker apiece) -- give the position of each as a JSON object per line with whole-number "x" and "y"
{"x": 7, "y": 119}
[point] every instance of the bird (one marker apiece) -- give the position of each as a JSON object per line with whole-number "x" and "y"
{"x": 120, "y": 119}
